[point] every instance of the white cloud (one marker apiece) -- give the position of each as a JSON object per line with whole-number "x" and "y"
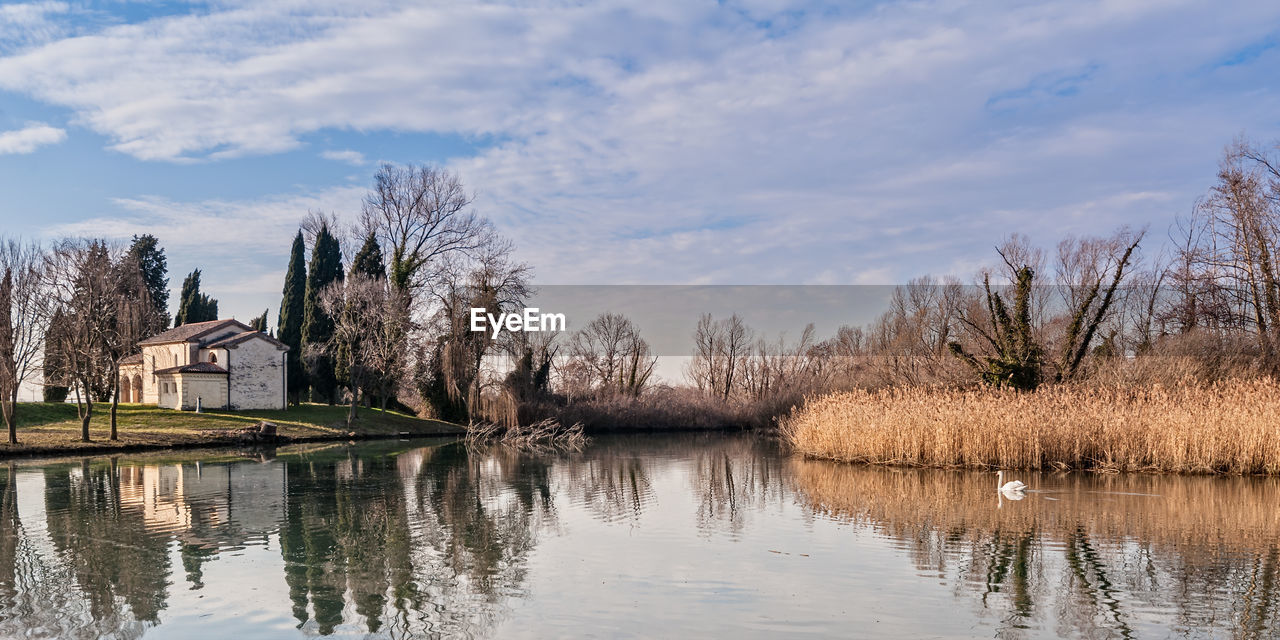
{"x": 675, "y": 141}
{"x": 241, "y": 246}
{"x": 24, "y": 24}
{"x": 29, "y": 138}
{"x": 353, "y": 158}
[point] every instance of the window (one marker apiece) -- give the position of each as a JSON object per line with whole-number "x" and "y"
{"x": 213, "y": 357}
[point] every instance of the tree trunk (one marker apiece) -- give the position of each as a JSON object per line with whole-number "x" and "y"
{"x": 11, "y": 421}
{"x": 355, "y": 402}
{"x": 10, "y": 411}
{"x": 84, "y": 406}
{"x": 115, "y": 402}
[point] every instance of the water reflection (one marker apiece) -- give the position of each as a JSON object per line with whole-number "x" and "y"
{"x": 1088, "y": 554}
{"x": 652, "y": 535}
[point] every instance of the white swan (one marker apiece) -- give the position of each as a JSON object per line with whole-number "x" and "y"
{"x": 1013, "y": 487}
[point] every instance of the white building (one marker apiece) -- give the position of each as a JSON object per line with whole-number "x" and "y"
{"x": 222, "y": 364}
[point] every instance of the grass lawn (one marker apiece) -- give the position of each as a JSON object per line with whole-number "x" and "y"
{"x": 54, "y": 428}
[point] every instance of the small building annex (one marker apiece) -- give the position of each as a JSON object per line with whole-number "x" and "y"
{"x": 221, "y": 364}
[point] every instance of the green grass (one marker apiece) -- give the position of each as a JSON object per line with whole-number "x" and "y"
{"x": 55, "y": 428}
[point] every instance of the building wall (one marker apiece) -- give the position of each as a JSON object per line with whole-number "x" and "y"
{"x": 128, "y": 374}
{"x": 160, "y": 356}
{"x": 166, "y": 389}
{"x": 216, "y": 356}
{"x": 211, "y": 388}
{"x": 257, "y": 375}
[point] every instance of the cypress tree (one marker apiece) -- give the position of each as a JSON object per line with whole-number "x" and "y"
{"x": 289, "y": 324}
{"x": 190, "y": 287}
{"x": 150, "y": 259}
{"x": 194, "y": 305}
{"x": 259, "y": 323}
{"x": 317, "y": 326}
{"x": 369, "y": 260}
{"x": 55, "y": 376}
{"x": 206, "y": 309}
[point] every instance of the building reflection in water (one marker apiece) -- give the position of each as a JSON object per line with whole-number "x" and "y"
{"x": 397, "y": 540}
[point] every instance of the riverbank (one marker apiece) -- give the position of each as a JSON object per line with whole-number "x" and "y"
{"x": 1227, "y": 427}
{"x": 53, "y": 429}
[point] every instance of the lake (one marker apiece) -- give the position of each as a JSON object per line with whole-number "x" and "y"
{"x": 639, "y": 536}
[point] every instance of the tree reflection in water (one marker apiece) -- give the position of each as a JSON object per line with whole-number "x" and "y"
{"x": 1095, "y": 553}
{"x": 398, "y": 540}
{"x": 420, "y": 544}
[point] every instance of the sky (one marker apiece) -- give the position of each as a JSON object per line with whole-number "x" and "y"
{"x": 620, "y": 142}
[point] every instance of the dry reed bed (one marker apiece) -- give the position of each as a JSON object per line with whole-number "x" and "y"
{"x": 1225, "y": 427}
{"x": 1192, "y": 514}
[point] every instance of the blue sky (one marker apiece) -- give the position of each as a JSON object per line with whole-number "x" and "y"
{"x": 662, "y": 141}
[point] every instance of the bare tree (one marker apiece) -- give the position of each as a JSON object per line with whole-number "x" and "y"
{"x": 776, "y": 366}
{"x": 82, "y": 284}
{"x": 346, "y": 233}
{"x": 367, "y": 315}
{"x": 24, "y": 313}
{"x": 421, "y": 214}
{"x": 132, "y": 320}
{"x": 1229, "y": 257}
{"x": 1084, "y": 266}
{"x": 486, "y": 278}
{"x": 703, "y": 369}
{"x": 613, "y": 355}
{"x": 721, "y": 348}
{"x": 910, "y": 339}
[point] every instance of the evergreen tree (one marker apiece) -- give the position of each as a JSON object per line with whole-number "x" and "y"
{"x": 208, "y": 308}
{"x": 56, "y": 388}
{"x": 195, "y": 306}
{"x": 317, "y": 327}
{"x": 292, "y": 304}
{"x": 259, "y": 323}
{"x": 148, "y": 255}
{"x": 369, "y": 260}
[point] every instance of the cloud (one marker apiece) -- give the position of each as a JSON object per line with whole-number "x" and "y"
{"x": 353, "y": 158}
{"x": 225, "y": 230}
{"x": 666, "y": 140}
{"x": 29, "y": 138}
{"x": 241, "y": 246}
{"x": 24, "y": 24}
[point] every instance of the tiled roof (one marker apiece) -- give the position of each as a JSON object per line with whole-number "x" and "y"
{"x": 231, "y": 341}
{"x": 188, "y": 332}
{"x": 198, "y": 367}
{"x": 133, "y": 359}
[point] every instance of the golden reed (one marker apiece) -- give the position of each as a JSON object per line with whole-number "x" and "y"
{"x": 1225, "y": 427}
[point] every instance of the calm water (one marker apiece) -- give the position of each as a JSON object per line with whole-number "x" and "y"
{"x": 670, "y": 536}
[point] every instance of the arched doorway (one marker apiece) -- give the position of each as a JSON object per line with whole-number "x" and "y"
{"x": 137, "y": 388}
{"x": 126, "y": 391}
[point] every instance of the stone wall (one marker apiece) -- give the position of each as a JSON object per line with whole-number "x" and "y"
{"x": 210, "y": 388}
{"x": 257, "y": 375}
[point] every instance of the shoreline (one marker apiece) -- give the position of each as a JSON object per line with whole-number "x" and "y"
{"x": 51, "y": 429}
{"x": 103, "y": 447}
{"x": 1049, "y": 467}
